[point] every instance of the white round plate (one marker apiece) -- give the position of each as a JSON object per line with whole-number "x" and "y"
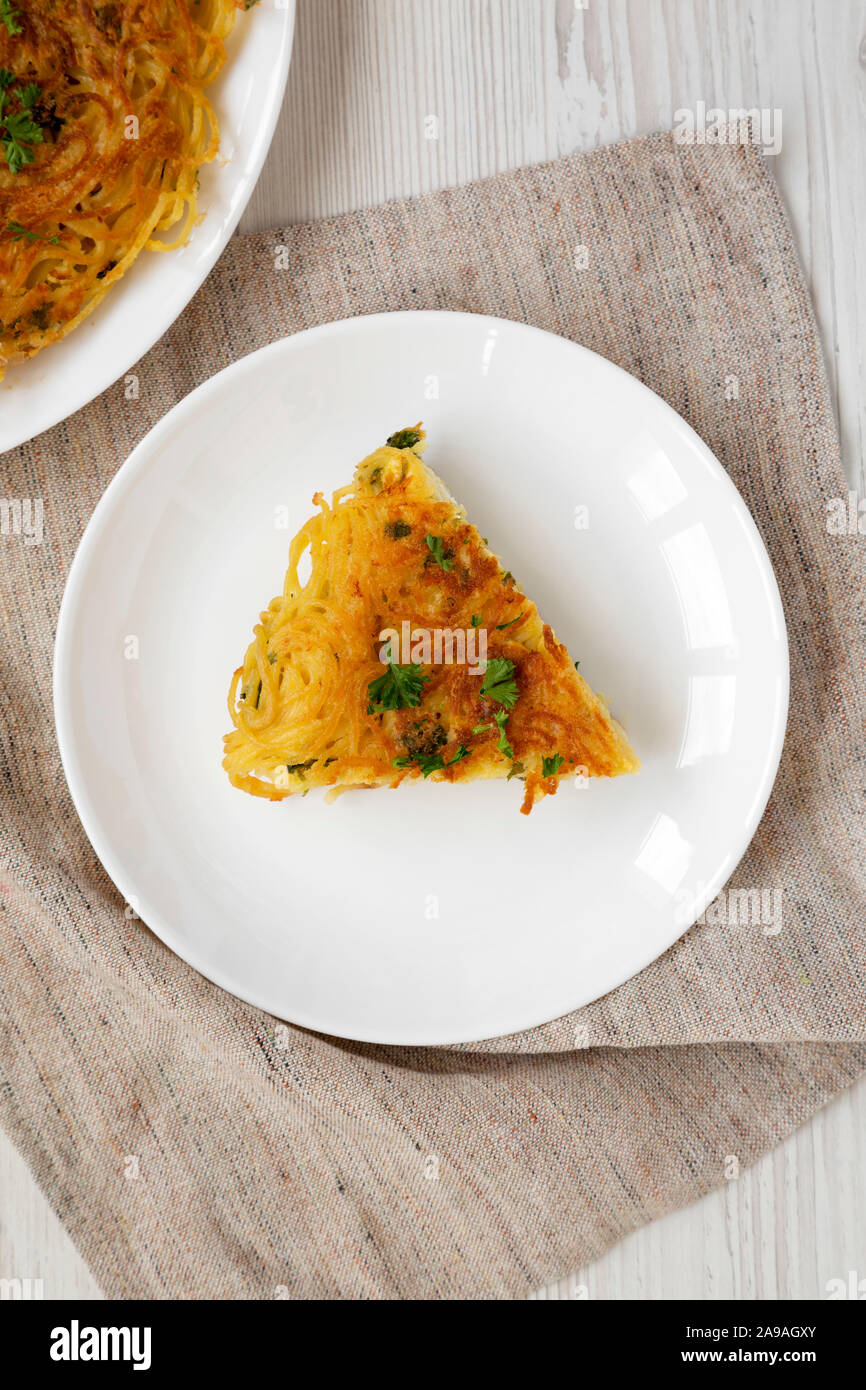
{"x": 247, "y": 97}
{"x": 434, "y": 913}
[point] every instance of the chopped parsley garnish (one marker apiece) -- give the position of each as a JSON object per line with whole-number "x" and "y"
{"x": 462, "y": 752}
{"x": 550, "y": 766}
{"x": 577, "y": 666}
{"x": 515, "y": 771}
{"x": 501, "y": 717}
{"x": 17, "y": 232}
{"x": 400, "y": 687}
{"x": 499, "y": 683}
{"x": 298, "y": 769}
{"x": 19, "y": 132}
{"x": 403, "y": 439}
{"x": 396, "y": 530}
{"x": 434, "y": 763}
{"x": 508, "y": 577}
{"x": 439, "y": 552}
{"x": 255, "y": 702}
{"x": 10, "y": 17}
{"x": 476, "y": 620}
{"x": 500, "y": 627}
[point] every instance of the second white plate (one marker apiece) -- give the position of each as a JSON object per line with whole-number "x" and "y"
{"x": 247, "y": 96}
{"x": 432, "y": 914}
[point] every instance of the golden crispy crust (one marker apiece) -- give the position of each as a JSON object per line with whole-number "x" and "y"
{"x": 373, "y": 570}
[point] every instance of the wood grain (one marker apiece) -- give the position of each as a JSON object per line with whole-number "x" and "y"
{"x": 515, "y": 81}
{"x": 511, "y": 82}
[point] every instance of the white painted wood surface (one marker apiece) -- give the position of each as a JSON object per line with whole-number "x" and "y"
{"x": 512, "y": 82}
{"x": 516, "y": 81}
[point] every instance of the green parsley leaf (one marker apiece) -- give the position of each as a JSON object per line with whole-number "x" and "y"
{"x": 435, "y": 763}
{"x": 501, "y": 717}
{"x": 298, "y": 769}
{"x": 476, "y": 620}
{"x": 550, "y": 766}
{"x": 499, "y": 683}
{"x": 577, "y": 666}
{"x": 20, "y": 134}
{"x": 18, "y": 232}
{"x": 396, "y": 530}
{"x": 400, "y": 687}
{"x": 29, "y": 95}
{"x": 10, "y": 17}
{"x": 515, "y": 771}
{"x": 439, "y": 551}
{"x": 500, "y": 627}
{"x": 462, "y": 752}
{"x": 244, "y": 695}
{"x": 403, "y": 439}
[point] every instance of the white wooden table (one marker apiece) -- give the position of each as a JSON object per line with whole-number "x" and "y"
{"x": 512, "y": 82}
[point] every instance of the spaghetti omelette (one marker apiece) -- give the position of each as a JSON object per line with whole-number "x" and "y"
{"x": 408, "y": 652}
{"x": 104, "y": 125}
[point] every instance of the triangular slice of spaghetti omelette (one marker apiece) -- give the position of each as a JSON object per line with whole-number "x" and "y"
{"x": 409, "y": 652}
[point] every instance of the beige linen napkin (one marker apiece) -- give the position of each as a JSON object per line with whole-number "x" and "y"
{"x": 272, "y": 1159}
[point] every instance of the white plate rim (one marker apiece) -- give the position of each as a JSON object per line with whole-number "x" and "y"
{"x": 132, "y": 346}
{"x": 126, "y": 477}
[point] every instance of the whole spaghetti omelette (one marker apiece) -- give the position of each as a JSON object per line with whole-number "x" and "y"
{"x": 408, "y": 652}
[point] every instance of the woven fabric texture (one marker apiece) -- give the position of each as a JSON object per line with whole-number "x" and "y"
{"x": 273, "y": 1160}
